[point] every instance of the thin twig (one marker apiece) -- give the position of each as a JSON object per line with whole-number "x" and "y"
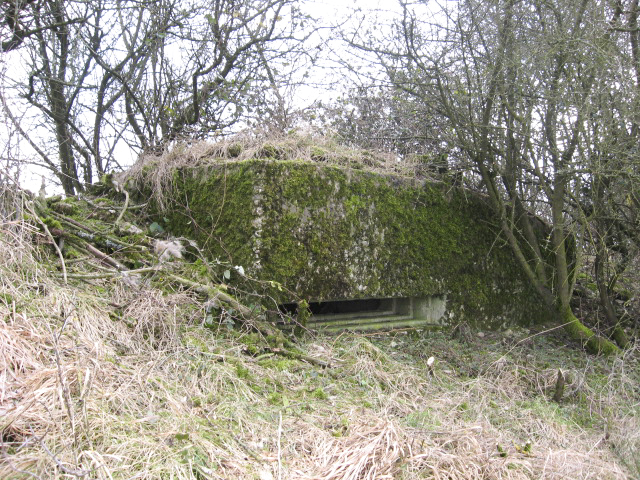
{"x": 71, "y": 221}
{"x": 111, "y": 274}
{"x": 279, "y": 450}
{"x": 124, "y": 208}
{"x": 6, "y": 458}
{"x": 69, "y": 471}
{"x": 102, "y": 207}
{"x": 104, "y": 257}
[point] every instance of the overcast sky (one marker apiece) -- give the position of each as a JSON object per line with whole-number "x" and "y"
{"x": 317, "y": 87}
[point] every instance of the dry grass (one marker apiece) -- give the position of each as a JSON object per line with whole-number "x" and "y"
{"x": 157, "y": 170}
{"x": 106, "y": 381}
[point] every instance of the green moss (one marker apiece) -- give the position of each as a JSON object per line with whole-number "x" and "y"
{"x": 52, "y": 223}
{"x": 276, "y": 152}
{"x": 318, "y": 154}
{"x": 68, "y": 206}
{"x": 251, "y": 340}
{"x": 195, "y": 341}
{"x": 253, "y": 350}
{"x": 319, "y": 394}
{"x": 243, "y": 372}
{"x": 325, "y": 232}
{"x": 70, "y": 252}
{"x": 303, "y": 312}
{"x": 620, "y": 337}
{"x": 578, "y": 331}
{"x": 107, "y": 179}
{"x": 277, "y": 341}
{"x": 280, "y": 364}
{"x": 215, "y": 210}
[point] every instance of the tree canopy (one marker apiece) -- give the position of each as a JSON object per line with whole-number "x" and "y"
{"x": 542, "y": 100}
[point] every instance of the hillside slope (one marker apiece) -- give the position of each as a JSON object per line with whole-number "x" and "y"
{"x": 116, "y": 375}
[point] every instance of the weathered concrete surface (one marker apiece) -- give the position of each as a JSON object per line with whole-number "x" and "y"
{"x": 384, "y": 313}
{"x": 326, "y": 233}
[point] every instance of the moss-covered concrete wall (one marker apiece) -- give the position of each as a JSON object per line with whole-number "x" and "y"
{"x": 327, "y": 233}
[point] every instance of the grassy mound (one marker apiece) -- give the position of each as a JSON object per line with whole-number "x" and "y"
{"x": 330, "y": 230}
{"x": 158, "y": 169}
{"x": 113, "y": 377}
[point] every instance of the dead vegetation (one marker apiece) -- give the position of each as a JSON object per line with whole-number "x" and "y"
{"x": 157, "y": 169}
{"x": 105, "y": 378}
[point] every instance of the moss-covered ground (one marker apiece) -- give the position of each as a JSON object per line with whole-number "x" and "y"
{"x": 109, "y": 378}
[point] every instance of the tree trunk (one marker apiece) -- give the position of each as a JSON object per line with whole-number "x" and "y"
{"x": 574, "y": 327}
{"x": 68, "y": 174}
{"x": 578, "y": 331}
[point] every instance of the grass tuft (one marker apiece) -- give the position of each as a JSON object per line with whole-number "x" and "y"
{"x": 156, "y": 171}
{"x": 101, "y": 379}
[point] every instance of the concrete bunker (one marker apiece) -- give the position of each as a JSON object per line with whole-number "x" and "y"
{"x": 375, "y": 249}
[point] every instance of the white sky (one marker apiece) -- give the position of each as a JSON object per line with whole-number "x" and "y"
{"x": 327, "y": 12}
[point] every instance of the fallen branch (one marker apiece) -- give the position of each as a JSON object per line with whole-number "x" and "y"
{"x": 94, "y": 235}
{"x": 102, "y": 207}
{"x": 73, "y": 222}
{"x": 112, "y": 274}
{"x": 124, "y": 208}
{"x": 67, "y": 470}
{"x": 53, "y": 240}
{"x": 84, "y": 239}
{"x": 299, "y": 356}
{"x": 79, "y": 241}
{"x": 104, "y": 257}
{"x": 214, "y": 294}
{"x": 219, "y": 297}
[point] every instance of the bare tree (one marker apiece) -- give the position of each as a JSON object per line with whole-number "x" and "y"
{"x": 612, "y": 201}
{"x": 384, "y": 118}
{"x": 229, "y": 52}
{"x": 517, "y": 83}
{"x": 100, "y": 74}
